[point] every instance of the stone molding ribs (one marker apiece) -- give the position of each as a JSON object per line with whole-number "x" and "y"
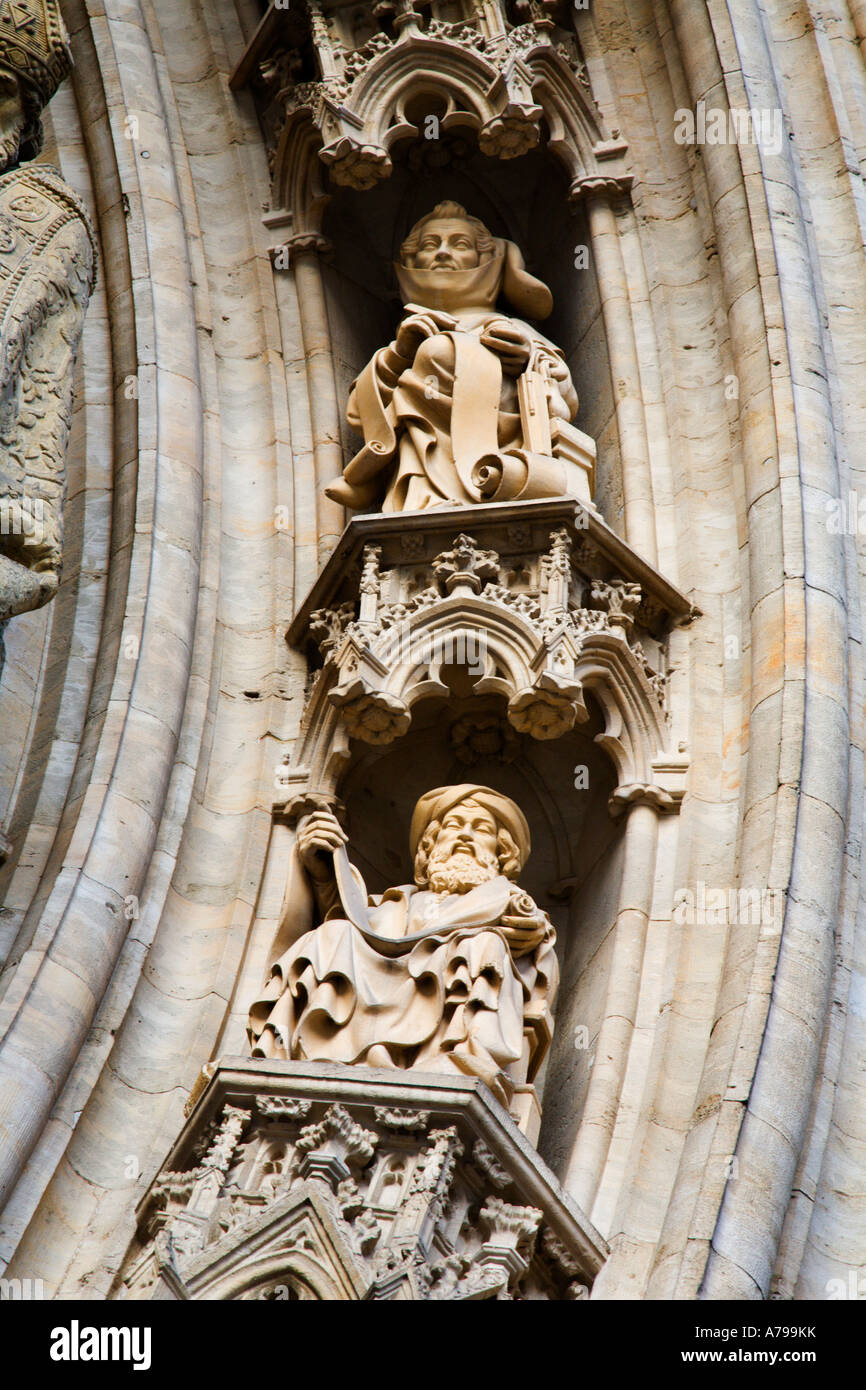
{"x": 310, "y": 1187}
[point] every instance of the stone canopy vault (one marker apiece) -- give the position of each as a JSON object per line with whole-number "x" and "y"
{"x": 430, "y": 716}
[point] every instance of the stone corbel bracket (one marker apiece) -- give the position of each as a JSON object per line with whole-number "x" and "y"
{"x": 302, "y": 1181}
{"x": 540, "y": 605}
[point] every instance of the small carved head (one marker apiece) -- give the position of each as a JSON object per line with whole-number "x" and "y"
{"x": 447, "y": 239}
{"x": 450, "y": 261}
{"x": 468, "y": 839}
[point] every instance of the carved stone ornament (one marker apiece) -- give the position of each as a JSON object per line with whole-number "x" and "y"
{"x": 337, "y": 87}
{"x": 538, "y": 605}
{"x": 47, "y": 271}
{"x": 312, "y": 1188}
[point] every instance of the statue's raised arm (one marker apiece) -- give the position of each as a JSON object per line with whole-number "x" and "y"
{"x": 467, "y": 404}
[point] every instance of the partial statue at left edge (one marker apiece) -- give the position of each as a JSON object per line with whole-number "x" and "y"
{"x": 47, "y": 273}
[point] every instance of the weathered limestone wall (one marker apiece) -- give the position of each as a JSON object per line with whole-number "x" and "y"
{"x": 152, "y": 700}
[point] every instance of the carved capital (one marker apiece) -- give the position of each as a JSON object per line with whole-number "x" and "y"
{"x": 613, "y": 189}
{"x": 511, "y": 1235}
{"x": 620, "y": 600}
{"x": 301, "y": 244}
{"x": 644, "y": 794}
{"x": 306, "y": 802}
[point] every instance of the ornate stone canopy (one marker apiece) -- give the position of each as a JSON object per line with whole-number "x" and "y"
{"x": 343, "y": 96}
{"x": 542, "y": 602}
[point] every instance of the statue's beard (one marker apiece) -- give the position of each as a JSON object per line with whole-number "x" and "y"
{"x": 460, "y": 870}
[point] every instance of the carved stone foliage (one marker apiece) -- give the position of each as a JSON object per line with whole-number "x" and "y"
{"x": 534, "y": 614}
{"x": 346, "y": 83}
{"x": 310, "y": 1189}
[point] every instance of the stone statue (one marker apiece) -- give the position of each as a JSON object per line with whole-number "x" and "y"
{"x": 47, "y": 270}
{"x": 456, "y": 972}
{"x": 467, "y": 404}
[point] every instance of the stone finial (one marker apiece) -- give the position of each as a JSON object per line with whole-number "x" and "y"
{"x": 465, "y": 567}
{"x": 329, "y": 1148}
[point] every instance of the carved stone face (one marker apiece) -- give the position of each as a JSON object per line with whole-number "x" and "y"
{"x": 466, "y": 850}
{"x": 448, "y": 244}
{"x": 12, "y": 119}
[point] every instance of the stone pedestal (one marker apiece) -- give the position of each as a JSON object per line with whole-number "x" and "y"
{"x": 299, "y": 1180}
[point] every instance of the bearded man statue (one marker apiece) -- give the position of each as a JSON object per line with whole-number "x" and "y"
{"x": 47, "y": 272}
{"x": 456, "y": 972}
{"x": 467, "y": 404}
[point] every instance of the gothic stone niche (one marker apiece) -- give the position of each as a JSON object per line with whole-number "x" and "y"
{"x": 295, "y": 1181}
{"x": 536, "y": 612}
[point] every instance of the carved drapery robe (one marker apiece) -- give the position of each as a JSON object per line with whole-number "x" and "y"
{"x": 447, "y": 427}
{"x": 451, "y": 411}
{"x": 438, "y": 983}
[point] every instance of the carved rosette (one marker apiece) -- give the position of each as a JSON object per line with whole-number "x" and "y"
{"x": 303, "y": 1195}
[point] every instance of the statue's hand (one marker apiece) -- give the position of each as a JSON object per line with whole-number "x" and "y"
{"x": 319, "y": 834}
{"x": 524, "y": 922}
{"x": 510, "y": 342}
{"x": 417, "y": 326}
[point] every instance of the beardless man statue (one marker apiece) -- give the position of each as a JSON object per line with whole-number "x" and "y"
{"x": 455, "y": 972}
{"x": 459, "y": 407}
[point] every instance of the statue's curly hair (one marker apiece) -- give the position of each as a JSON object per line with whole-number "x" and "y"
{"x": 484, "y": 243}
{"x": 506, "y": 849}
